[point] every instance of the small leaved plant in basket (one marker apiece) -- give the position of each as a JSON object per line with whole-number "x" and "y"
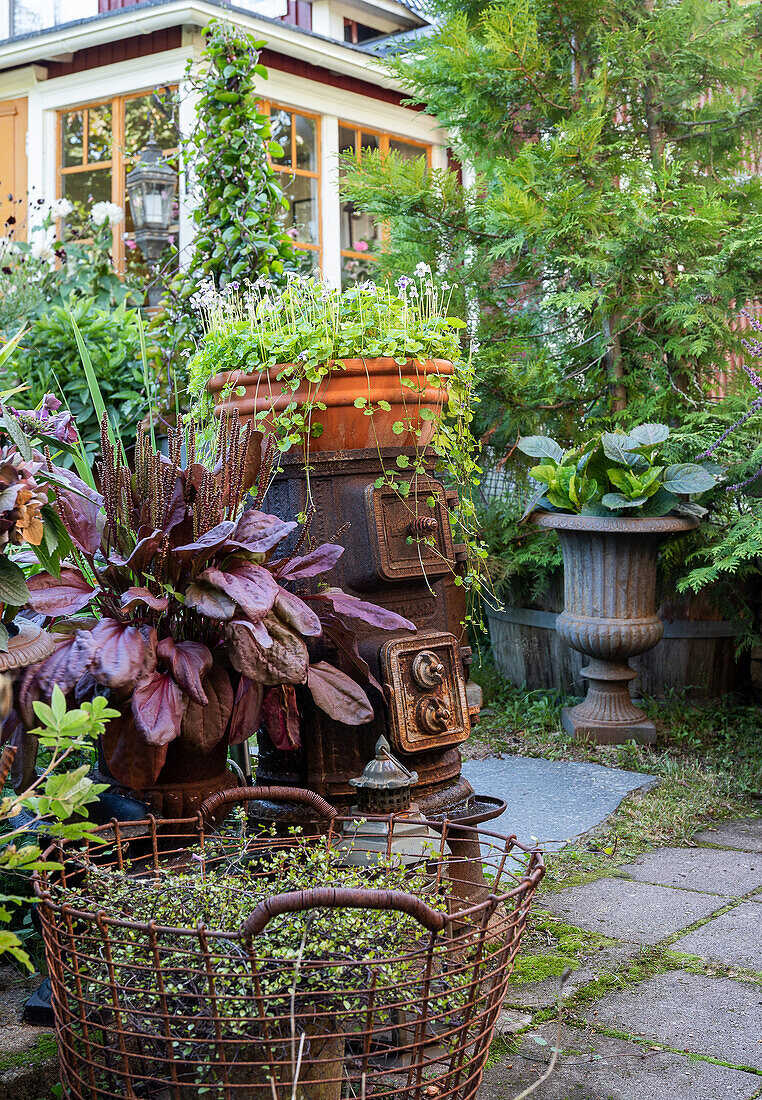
{"x": 260, "y": 965}
{"x": 175, "y": 602}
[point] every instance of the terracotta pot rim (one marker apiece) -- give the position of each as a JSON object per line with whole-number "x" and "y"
{"x": 352, "y": 366}
{"x": 615, "y": 525}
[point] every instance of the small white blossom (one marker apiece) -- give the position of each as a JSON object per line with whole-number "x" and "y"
{"x": 42, "y": 249}
{"x": 60, "y": 208}
{"x": 422, "y": 269}
{"x": 103, "y": 212}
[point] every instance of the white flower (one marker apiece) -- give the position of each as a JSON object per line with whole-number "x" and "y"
{"x": 60, "y": 208}
{"x": 422, "y": 269}
{"x": 103, "y": 212}
{"x": 42, "y": 249}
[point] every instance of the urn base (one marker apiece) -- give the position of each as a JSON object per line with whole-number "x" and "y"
{"x": 583, "y": 728}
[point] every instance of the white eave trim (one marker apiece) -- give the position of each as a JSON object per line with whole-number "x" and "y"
{"x": 140, "y": 19}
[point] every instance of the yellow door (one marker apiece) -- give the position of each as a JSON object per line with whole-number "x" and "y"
{"x": 13, "y": 176}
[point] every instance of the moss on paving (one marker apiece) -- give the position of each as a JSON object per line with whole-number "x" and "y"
{"x": 708, "y": 761}
{"x": 44, "y": 1050}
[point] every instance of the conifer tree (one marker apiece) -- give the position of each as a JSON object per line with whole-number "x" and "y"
{"x": 612, "y": 226}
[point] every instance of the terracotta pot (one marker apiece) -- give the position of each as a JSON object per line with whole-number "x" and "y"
{"x": 345, "y": 427}
{"x": 610, "y": 614}
{"x": 28, "y": 646}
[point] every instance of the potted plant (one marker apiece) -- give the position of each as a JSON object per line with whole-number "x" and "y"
{"x": 366, "y": 367}
{"x": 612, "y": 503}
{"x": 193, "y": 628}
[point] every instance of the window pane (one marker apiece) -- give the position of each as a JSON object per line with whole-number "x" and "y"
{"x": 306, "y": 143}
{"x": 405, "y": 150}
{"x": 369, "y": 142}
{"x": 281, "y": 132}
{"x": 99, "y": 133}
{"x": 359, "y": 232}
{"x": 307, "y": 258}
{"x": 72, "y": 129}
{"x": 144, "y": 113}
{"x": 347, "y": 140}
{"x": 302, "y": 217}
{"x": 83, "y": 189}
{"x": 354, "y": 270}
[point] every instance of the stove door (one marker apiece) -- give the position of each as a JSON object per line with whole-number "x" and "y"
{"x": 427, "y": 694}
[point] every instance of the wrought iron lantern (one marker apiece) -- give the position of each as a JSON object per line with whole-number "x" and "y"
{"x": 151, "y": 186}
{"x": 385, "y": 784}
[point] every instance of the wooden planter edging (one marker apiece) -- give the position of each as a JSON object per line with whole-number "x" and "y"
{"x": 527, "y": 651}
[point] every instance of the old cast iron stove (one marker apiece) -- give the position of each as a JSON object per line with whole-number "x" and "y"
{"x": 424, "y": 711}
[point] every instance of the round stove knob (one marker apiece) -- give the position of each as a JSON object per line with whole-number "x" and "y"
{"x": 428, "y": 670}
{"x": 433, "y": 715}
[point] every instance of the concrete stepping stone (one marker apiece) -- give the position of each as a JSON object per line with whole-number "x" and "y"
{"x": 552, "y": 800}
{"x": 627, "y": 910}
{"x": 711, "y": 870}
{"x": 733, "y": 938}
{"x": 594, "y": 1067}
{"x": 746, "y": 835}
{"x": 544, "y": 993}
{"x": 718, "y": 1017}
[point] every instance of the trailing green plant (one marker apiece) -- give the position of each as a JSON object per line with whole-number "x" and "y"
{"x": 614, "y": 473}
{"x": 55, "y": 800}
{"x": 239, "y": 203}
{"x": 49, "y": 357}
{"x": 308, "y": 329}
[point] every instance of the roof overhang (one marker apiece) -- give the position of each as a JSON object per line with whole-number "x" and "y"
{"x": 157, "y": 15}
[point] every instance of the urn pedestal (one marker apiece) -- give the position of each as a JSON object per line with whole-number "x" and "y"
{"x": 610, "y": 615}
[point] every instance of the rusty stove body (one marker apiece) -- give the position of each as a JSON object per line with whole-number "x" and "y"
{"x": 424, "y": 713}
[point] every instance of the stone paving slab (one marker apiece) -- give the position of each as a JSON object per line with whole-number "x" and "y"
{"x": 628, "y": 910}
{"x": 544, "y": 994}
{"x": 718, "y": 1017}
{"x": 594, "y": 1067}
{"x": 711, "y": 870}
{"x": 734, "y": 938}
{"x": 746, "y": 835}
{"x": 552, "y": 800}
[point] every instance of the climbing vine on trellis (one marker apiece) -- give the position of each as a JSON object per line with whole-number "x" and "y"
{"x": 238, "y": 201}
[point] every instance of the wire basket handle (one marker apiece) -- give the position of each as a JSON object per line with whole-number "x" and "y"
{"x": 340, "y": 897}
{"x": 272, "y": 794}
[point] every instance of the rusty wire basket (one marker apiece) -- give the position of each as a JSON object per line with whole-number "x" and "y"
{"x": 323, "y": 993}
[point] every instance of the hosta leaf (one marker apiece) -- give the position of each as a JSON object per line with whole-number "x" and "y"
{"x": 251, "y": 586}
{"x": 260, "y": 532}
{"x": 65, "y": 595}
{"x": 540, "y": 446}
{"x": 280, "y": 717}
{"x": 158, "y": 708}
{"x": 649, "y": 435}
{"x": 616, "y": 500}
{"x": 119, "y": 653}
{"x": 317, "y": 561}
{"x": 617, "y": 447}
{"x": 188, "y": 662}
{"x": 13, "y": 587}
{"x": 370, "y": 613}
{"x": 338, "y": 695}
{"x": 247, "y": 710}
{"x": 209, "y": 600}
{"x": 204, "y": 724}
{"x": 133, "y": 597}
{"x": 295, "y": 613}
{"x": 687, "y": 477}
